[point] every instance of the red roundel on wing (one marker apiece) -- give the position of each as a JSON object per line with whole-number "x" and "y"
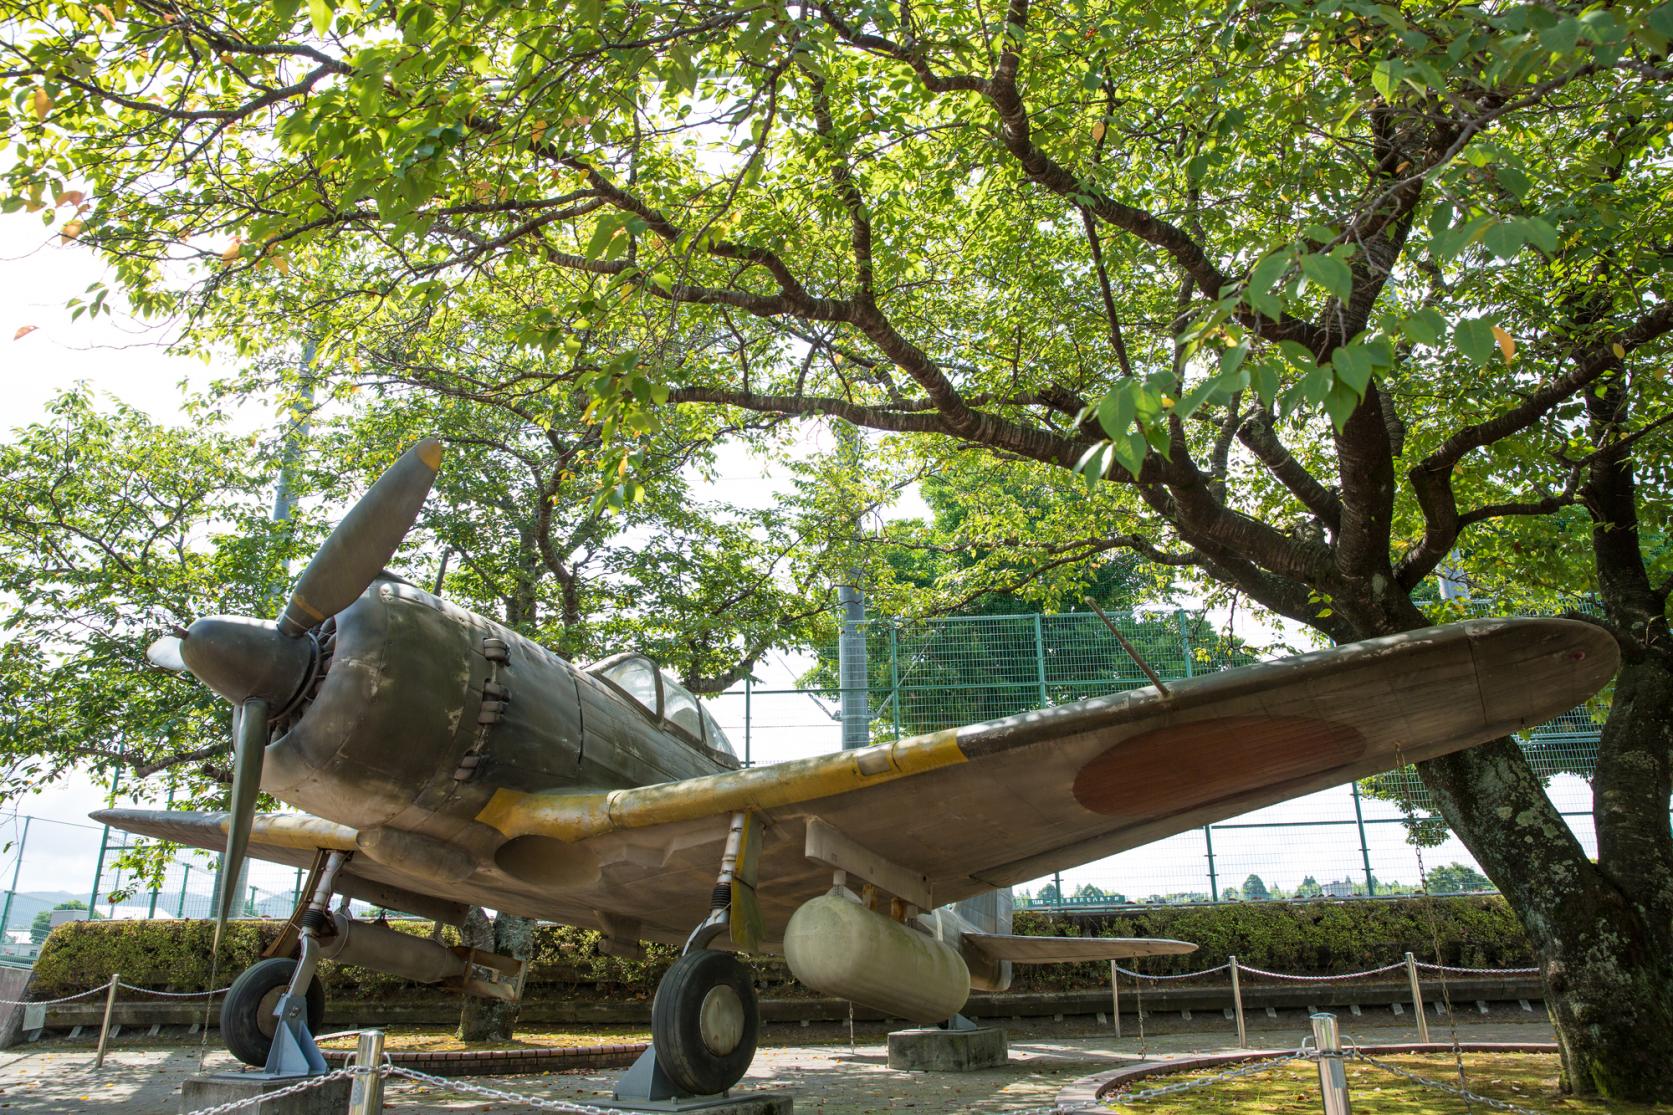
{"x": 1183, "y": 766}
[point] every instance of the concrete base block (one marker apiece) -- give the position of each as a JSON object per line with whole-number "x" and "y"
{"x": 742, "y": 1103}
{"x": 212, "y": 1089}
{"x": 936, "y": 1050}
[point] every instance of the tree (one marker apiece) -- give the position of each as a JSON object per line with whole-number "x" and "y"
{"x": 113, "y": 529}
{"x": 1311, "y": 283}
{"x": 1308, "y": 888}
{"x": 41, "y": 927}
{"x": 1457, "y": 878}
{"x": 1254, "y": 889}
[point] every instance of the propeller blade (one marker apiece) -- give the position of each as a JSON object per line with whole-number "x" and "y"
{"x": 165, "y": 655}
{"x": 249, "y": 747}
{"x": 364, "y": 541}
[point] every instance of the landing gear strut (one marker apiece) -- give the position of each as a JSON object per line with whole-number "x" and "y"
{"x": 272, "y": 1008}
{"x": 705, "y": 1020}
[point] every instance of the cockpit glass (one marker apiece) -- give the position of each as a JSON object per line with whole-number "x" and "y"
{"x": 637, "y": 678}
{"x": 715, "y": 737}
{"x": 680, "y": 709}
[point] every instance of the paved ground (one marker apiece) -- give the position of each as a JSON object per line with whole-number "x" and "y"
{"x": 144, "y": 1079}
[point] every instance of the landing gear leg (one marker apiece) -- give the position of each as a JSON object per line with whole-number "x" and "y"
{"x": 291, "y": 1050}
{"x": 705, "y": 1020}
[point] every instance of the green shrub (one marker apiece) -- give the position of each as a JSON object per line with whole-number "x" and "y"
{"x": 1312, "y": 938}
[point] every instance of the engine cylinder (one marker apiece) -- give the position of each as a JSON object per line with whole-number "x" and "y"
{"x": 838, "y": 947}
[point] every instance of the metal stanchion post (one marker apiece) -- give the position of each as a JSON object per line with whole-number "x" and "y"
{"x": 1333, "y": 1077}
{"x": 1417, "y": 999}
{"x": 1237, "y": 1005}
{"x": 367, "y": 1096}
{"x": 104, "y": 1031}
{"x": 1115, "y": 1000}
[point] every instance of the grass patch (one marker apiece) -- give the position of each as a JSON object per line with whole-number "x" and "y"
{"x": 1526, "y": 1079}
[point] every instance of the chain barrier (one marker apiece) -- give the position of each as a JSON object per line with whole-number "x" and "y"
{"x": 174, "y": 994}
{"x": 1478, "y": 971}
{"x": 569, "y": 1106}
{"x": 103, "y": 987}
{"x": 1186, "y": 975}
{"x": 1450, "y": 1089}
{"x": 294, "y": 1089}
{"x": 1322, "y": 979}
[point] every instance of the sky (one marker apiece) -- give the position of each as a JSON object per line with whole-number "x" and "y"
{"x": 129, "y": 360}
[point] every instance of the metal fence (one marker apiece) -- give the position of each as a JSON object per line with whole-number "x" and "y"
{"x": 926, "y": 675}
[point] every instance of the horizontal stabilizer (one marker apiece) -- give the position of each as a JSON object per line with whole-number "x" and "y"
{"x": 1072, "y": 950}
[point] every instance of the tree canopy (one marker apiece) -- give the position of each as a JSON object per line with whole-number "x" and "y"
{"x": 1322, "y": 292}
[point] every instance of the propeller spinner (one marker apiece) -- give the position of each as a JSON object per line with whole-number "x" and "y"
{"x": 259, "y": 665}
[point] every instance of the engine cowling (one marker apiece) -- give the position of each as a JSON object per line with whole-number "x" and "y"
{"x": 837, "y": 946}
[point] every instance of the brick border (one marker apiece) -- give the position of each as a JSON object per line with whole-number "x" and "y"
{"x": 508, "y": 1062}
{"x": 1092, "y": 1089}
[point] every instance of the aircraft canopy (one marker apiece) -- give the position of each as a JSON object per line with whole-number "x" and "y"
{"x": 665, "y": 699}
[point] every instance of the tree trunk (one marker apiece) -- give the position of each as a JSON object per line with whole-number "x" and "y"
{"x": 1602, "y": 936}
{"x": 490, "y": 1019}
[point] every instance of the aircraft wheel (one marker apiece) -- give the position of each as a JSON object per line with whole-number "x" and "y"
{"x": 704, "y": 1022}
{"x": 247, "y": 1021}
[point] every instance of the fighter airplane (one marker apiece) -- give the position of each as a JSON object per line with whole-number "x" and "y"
{"x": 440, "y": 760}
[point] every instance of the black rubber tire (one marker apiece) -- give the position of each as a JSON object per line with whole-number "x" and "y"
{"x": 246, "y": 1025}
{"x": 676, "y": 1020}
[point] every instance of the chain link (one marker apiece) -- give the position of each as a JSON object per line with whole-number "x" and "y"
{"x": 1321, "y": 979}
{"x": 176, "y": 994}
{"x": 1184, "y": 975}
{"x": 569, "y": 1106}
{"x": 306, "y": 1084}
{"x": 50, "y": 1002}
{"x": 1478, "y": 971}
{"x": 1436, "y": 1085}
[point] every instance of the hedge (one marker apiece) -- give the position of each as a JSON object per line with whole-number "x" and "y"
{"x": 1320, "y": 937}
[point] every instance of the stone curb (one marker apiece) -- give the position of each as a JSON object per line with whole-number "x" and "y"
{"x": 1090, "y": 1090}
{"x": 508, "y": 1062}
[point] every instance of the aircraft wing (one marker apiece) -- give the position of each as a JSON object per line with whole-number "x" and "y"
{"x": 1003, "y": 802}
{"x": 293, "y": 839}
{"x": 953, "y": 814}
{"x": 1021, "y": 949}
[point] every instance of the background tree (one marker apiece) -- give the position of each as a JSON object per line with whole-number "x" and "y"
{"x": 1254, "y": 890}
{"x": 1303, "y": 279}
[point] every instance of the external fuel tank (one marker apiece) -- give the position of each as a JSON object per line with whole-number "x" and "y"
{"x": 836, "y": 946}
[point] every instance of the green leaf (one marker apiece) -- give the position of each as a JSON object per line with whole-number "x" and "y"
{"x": 319, "y": 14}
{"x": 1503, "y": 239}
{"x": 1115, "y": 411}
{"x": 1474, "y": 337}
{"x": 1354, "y": 365}
{"x": 1661, "y": 20}
{"x": 1385, "y": 77}
{"x": 1330, "y": 273}
{"x": 1340, "y": 404}
{"x": 1425, "y": 326}
{"x": 1539, "y": 233}
{"x": 1561, "y": 37}
{"x": 285, "y": 10}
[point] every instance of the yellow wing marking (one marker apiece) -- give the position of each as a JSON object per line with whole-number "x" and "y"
{"x": 579, "y": 816}
{"x": 297, "y": 830}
